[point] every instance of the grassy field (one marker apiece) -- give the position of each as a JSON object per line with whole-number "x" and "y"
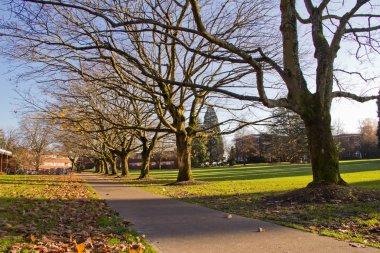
{"x": 59, "y": 214}
{"x": 239, "y": 190}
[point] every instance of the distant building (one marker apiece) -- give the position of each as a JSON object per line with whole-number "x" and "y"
{"x": 349, "y": 146}
{"x": 5, "y": 159}
{"x": 259, "y": 147}
{"x": 164, "y": 160}
{"x": 54, "y": 160}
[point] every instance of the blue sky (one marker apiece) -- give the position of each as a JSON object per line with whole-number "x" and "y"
{"x": 347, "y": 112}
{"x": 8, "y": 96}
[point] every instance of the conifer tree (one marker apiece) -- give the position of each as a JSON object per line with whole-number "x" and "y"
{"x": 215, "y": 145}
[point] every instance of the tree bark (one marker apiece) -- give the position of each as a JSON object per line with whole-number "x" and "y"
{"x": 114, "y": 166}
{"x": 323, "y": 151}
{"x": 184, "y": 157}
{"x": 145, "y": 165}
{"x": 124, "y": 164}
{"x": 73, "y": 161}
{"x": 101, "y": 166}
{"x": 106, "y": 167}
{"x": 97, "y": 167}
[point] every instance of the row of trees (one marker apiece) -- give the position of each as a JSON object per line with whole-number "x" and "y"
{"x": 108, "y": 61}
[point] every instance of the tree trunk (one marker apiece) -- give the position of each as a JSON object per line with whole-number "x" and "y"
{"x": 114, "y": 166}
{"x": 97, "y": 167}
{"x": 184, "y": 157}
{"x": 323, "y": 151}
{"x": 73, "y": 163}
{"x": 145, "y": 165}
{"x": 101, "y": 166}
{"x": 124, "y": 164}
{"x": 37, "y": 163}
{"x": 159, "y": 164}
{"x": 106, "y": 167}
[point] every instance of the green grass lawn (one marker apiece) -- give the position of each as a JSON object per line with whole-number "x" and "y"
{"x": 40, "y": 213}
{"x": 238, "y": 190}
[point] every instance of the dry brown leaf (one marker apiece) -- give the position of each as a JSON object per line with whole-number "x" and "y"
{"x": 32, "y": 238}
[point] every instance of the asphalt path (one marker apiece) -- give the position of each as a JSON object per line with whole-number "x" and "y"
{"x": 172, "y": 226}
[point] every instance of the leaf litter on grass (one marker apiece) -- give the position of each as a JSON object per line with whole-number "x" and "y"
{"x": 59, "y": 214}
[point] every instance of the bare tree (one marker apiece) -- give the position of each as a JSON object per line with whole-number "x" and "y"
{"x": 311, "y": 98}
{"x": 36, "y": 135}
{"x": 130, "y": 45}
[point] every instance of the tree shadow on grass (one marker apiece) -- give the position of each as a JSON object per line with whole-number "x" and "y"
{"x": 163, "y": 177}
{"x": 373, "y": 184}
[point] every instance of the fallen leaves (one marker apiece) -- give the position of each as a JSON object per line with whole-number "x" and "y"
{"x": 60, "y": 214}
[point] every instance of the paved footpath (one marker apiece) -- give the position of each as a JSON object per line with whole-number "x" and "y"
{"x": 172, "y": 226}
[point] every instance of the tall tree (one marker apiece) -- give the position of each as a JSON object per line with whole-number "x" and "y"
{"x": 357, "y": 22}
{"x": 215, "y": 145}
{"x": 152, "y": 58}
{"x": 36, "y": 137}
{"x": 232, "y": 156}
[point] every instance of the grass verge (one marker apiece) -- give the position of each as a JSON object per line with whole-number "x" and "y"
{"x": 46, "y": 213}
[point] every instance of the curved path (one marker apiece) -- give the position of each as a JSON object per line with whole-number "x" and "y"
{"x": 172, "y": 226}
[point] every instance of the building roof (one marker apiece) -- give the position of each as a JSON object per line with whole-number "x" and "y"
{"x": 5, "y": 152}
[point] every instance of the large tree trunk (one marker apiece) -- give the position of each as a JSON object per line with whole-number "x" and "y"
{"x": 101, "y": 166}
{"x": 145, "y": 165}
{"x": 73, "y": 161}
{"x": 114, "y": 166}
{"x": 323, "y": 151}
{"x": 124, "y": 164}
{"x": 184, "y": 157}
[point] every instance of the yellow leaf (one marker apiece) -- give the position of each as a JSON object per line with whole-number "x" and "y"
{"x": 136, "y": 250}
{"x": 80, "y": 247}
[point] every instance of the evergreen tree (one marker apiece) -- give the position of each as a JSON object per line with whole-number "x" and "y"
{"x": 198, "y": 152}
{"x": 215, "y": 146}
{"x": 232, "y": 156}
{"x": 199, "y": 149}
